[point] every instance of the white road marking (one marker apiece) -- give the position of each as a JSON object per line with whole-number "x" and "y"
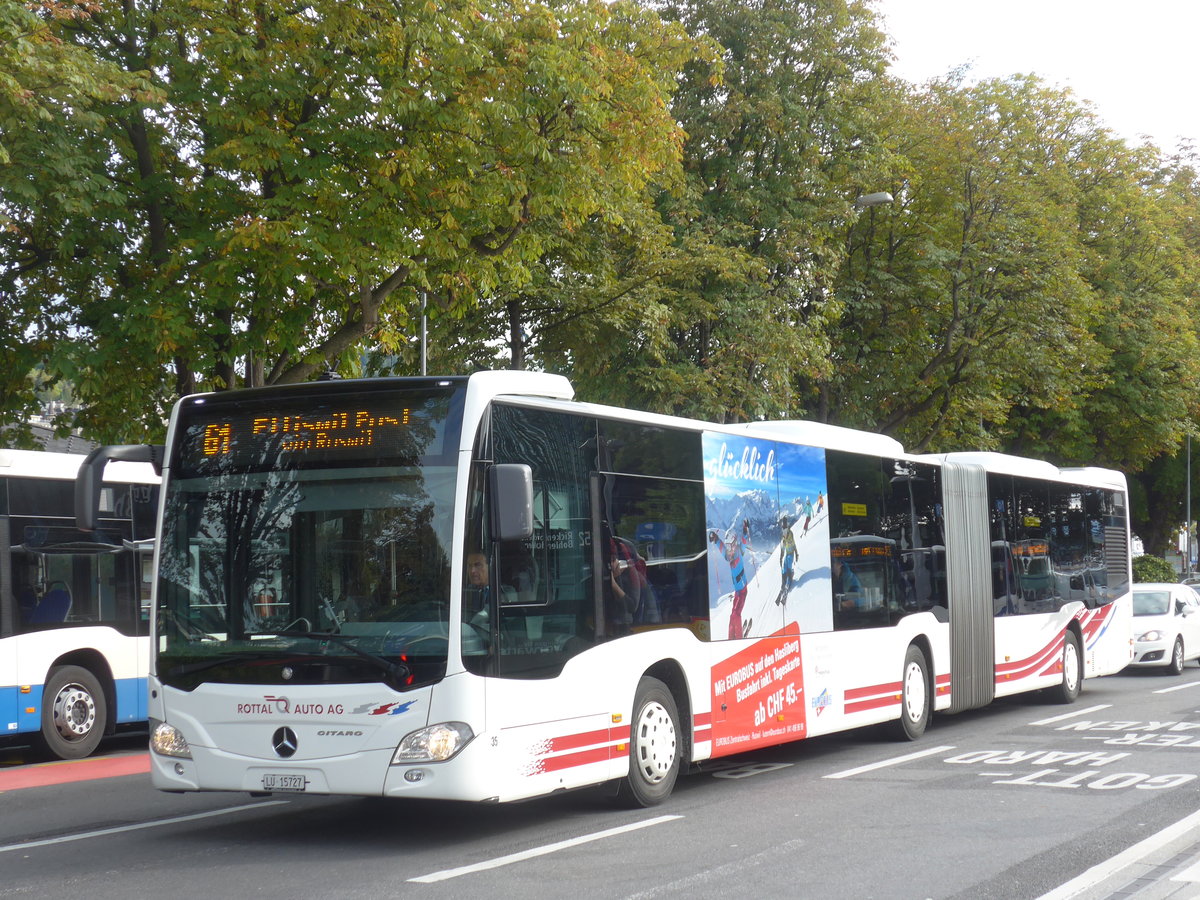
{"x": 1192, "y": 874}
{"x": 534, "y": 852}
{"x": 84, "y": 835}
{"x": 1178, "y": 687}
{"x": 1071, "y": 715}
{"x": 895, "y": 761}
{"x": 1124, "y": 859}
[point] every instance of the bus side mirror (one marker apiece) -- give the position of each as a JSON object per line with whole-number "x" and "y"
{"x": 510, "y": 486}
{"x": 91, "y": 477}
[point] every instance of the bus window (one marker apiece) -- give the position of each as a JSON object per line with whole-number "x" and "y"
{"x": 863, "y": 562}
{"x": 655, "y": 547}
{"x": 913, "y": 522}
{"x": 544, "y": 596}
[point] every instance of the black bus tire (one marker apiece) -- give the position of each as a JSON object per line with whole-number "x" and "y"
{"x": 74, "y": 713}
{"x": 916, "y": 700}
{"x": 654, "y": 747}
{"x": 1072, "y": 662}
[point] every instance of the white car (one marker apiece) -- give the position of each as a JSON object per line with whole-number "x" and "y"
{"x": 1166, "y": 626}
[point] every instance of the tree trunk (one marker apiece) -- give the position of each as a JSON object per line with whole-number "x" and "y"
{"x": 516, "y": 333}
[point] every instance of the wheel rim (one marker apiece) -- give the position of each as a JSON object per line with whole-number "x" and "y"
{"x": 1177, "y": 658}
{"x": 654, "y": 743}
{"x": 74, "y": 712}
{"x": 914, "y": 692}
{"x": 1071, "y": 666}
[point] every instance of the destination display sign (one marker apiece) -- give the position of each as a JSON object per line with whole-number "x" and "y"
{"x": 225, "y": 437}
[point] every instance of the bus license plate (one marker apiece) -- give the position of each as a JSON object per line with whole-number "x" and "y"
{"x": 284, "y": 782}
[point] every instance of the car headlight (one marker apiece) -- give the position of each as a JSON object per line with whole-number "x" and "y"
{"x": 167, "y": 740}
{"x": 436, "y": 743}
{"x": 1151, "y": 636}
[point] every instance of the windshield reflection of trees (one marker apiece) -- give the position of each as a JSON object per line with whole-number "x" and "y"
{"x": 327, "y": 554}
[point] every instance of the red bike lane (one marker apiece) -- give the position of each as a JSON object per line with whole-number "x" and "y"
{"x": 66, "y": 771}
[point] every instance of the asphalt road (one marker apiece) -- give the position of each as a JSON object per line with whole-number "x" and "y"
{"x": 1025, "y": 799}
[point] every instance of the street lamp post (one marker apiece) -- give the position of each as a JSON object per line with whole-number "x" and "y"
{"x": 424, "y": 345}
{"x": 879, "y": 198}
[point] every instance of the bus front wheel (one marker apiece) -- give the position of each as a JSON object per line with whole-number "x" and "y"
{"x": 654, "y": 746}
{"x": 74, "y": 713}
{"x": 915, "y": 700}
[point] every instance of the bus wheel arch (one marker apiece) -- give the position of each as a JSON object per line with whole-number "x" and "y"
{"x": 916, "y": 692}
{"x": 75, "y": 712}
{"x": 670, "y": 673}
{"x": 658, "y": 739}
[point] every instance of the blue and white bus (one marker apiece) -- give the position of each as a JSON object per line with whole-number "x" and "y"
{"x": 74, "y": 606}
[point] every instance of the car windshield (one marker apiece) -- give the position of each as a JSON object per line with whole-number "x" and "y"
{"x": 1151, "y": 603}
{"x": 263, "y": 553}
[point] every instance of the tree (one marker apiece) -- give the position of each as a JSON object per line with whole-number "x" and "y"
{"x": 43, "y": 80}
{"x": 1024, "y": 291}
{"x": 969, "y": 296}
{"x": 716, "y": 314}
{"x": 310, "y": 169}
{"x": 1147, "y": 568}
{"x": 1134, "y": 215}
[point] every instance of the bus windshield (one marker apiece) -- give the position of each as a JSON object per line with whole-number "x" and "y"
{"x": 309, "y": 545}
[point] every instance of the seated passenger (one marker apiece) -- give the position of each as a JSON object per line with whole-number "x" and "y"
{"x": 845, "y": 584}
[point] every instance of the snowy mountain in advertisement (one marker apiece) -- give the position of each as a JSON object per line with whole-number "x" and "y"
{"x": 757, "y": 506}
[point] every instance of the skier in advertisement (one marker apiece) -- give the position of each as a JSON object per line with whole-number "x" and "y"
{"x": 787, "y": 561}
{"x": 747, "y": 547}
{"x": 731, "y": 549}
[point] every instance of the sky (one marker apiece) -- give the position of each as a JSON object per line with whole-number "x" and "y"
{"x": 1136, "y": 63}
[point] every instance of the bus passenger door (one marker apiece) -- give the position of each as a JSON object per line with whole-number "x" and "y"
{"x": 969, "y": 586}
{"x": 8, "y": 623}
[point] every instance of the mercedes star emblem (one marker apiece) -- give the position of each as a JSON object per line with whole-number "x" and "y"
{"x": 284, "y": 742}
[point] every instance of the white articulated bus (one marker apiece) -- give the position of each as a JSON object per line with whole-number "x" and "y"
{"x": 74, "y": 606}
{"x": 477, "y": 588}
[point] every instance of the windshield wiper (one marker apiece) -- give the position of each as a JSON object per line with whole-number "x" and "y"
{"x": 398, "y": 670}
{"x": 189, "y": 668}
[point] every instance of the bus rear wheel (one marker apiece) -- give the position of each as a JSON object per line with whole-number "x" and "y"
{"x": 915, "y": 703}
{"x": 654, "y": 747}
{"x": 1072, "y": 665}
{"x": 74, "y": 713}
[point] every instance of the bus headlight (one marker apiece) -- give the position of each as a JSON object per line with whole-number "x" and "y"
{"x": 436, "y": 743}
{"x": 167, "y": 740}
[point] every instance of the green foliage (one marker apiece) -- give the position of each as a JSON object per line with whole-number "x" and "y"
{"x": 1147, "y": 568}
{"x": 708, "y": 304}
{"x": 654, "y": 199}
{"x": 301, "y": 173}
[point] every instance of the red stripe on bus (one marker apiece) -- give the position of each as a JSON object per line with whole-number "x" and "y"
{"x": 858, "y": 693}
{"x": 1034, "y": 660}
{"x": 583, "y": 758}
{"x": 73, "y": 770}
{"x": 875, "y": 703}
{"x": 1096, "y": 621}
{"x": 583, "y": 739}
{"x": 1055, "y": 668}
